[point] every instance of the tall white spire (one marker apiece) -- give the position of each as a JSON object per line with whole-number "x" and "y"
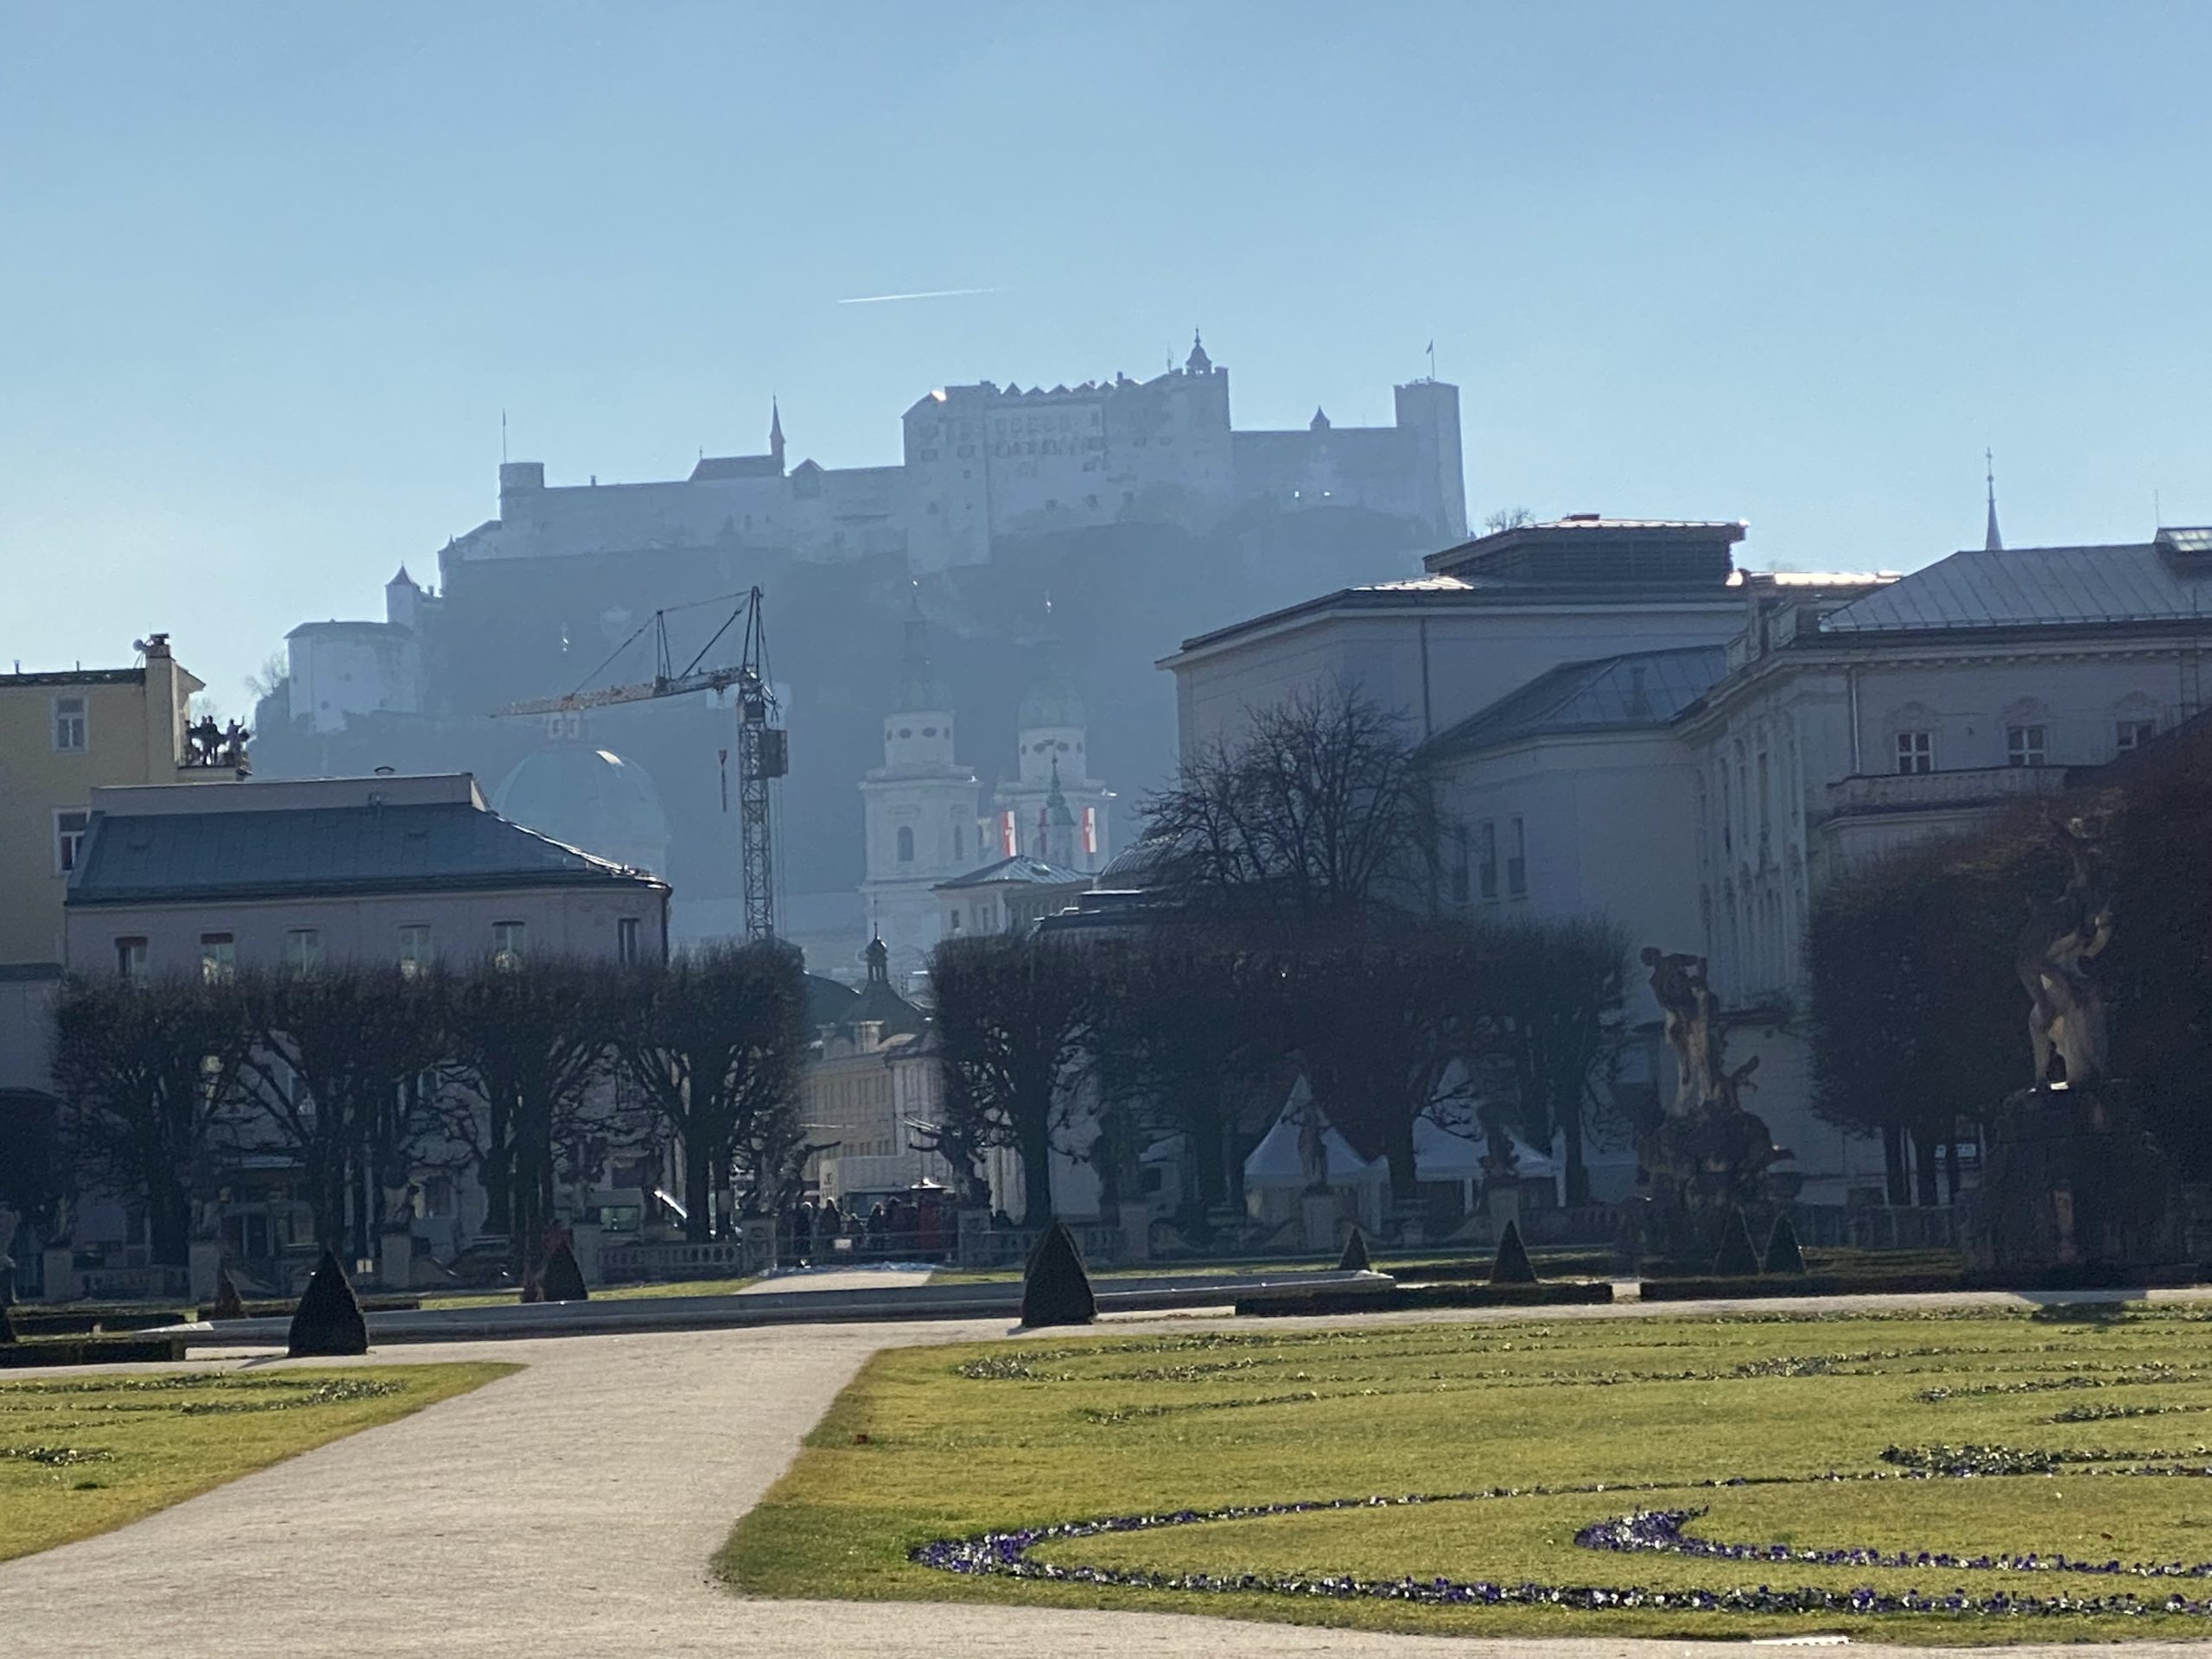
{"x": 1990, "y": 541}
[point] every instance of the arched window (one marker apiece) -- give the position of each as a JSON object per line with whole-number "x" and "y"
{"x": 906, "y": 843}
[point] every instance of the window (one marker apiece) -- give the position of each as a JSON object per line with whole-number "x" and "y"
{"x": 2025, "y": 746}
{"x": 625, "y": 939}
{"x": 1915, "y": 752}
{"x": 302, "y": 951}
{"x": 219, "y": 958}
{"x": 1517, "y": 858}
{"x": 71, "y": 727}
{"x": 1486, "y": 859}
{"x": 2132, "y": 734}
{"x": 953, "y": 918}
{"x": 906, "y": 843}
{"x": 131, "y": 957}
{"x": 959, "y": 844}
{"x": 507, "y": 942}
{"x": 1462, "y": 876}
{"x": 68, "y": 839}
{"x": 414, "y": 950}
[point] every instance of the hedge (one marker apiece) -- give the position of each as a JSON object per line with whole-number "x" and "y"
{"x": 90, "y": 1351}
{"x": 1394, "y": 1298}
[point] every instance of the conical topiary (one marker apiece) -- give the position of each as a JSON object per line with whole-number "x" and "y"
{"x": 1055, "y": 1290}
{"x": 1354, "y": 1260}
{"x": 564, "y": 1278}
{"x": 1736, "y": 1258}
{"x": 227, "y": 1304}
{"x": 1512, "y": 1266}
{"x": 328, "y": 1320}
{"x": 1783, "y": 1254}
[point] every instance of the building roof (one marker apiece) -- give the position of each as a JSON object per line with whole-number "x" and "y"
{"x": 79, "y": 676}
{"x": 1020, "y": 869}
{"x": 1647, "y": 688}
{"x": 1567, "y": 539}
{"x": 2036, "y": 586}
{"x": 327, "y": 851}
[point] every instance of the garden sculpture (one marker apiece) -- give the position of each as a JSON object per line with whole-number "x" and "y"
{"x": 2057, "y": 963}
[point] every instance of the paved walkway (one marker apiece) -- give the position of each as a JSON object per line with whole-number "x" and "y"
{"x": 572, "y": 1509}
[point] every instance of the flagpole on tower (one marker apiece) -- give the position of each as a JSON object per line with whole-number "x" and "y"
{"x": 1432, "y": 359}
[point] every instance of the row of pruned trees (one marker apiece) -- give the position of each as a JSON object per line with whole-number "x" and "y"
{"x": 1294, "y": 926}
{"x": 1919, "y": 1016}
{"x": 1094, "y": 1048}
{"x": 524, "y": 1076}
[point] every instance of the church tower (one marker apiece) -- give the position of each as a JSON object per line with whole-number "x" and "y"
{"x": 920, "y": 806}
{"x": 1051, "y": 777}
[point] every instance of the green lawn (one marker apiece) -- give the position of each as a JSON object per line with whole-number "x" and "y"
{"x": 1773, "y": 1428}
{"x": 82, "y": 1455}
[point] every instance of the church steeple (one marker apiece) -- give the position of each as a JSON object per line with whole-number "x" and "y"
{"x": 1990, "y": 541}
{"x": 1197, "y": 362}
{"x": 775, "y": 434}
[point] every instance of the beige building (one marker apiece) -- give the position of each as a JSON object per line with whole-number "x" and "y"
{"x": 407, "y": 870}
{"x": 869, "y": 1082}
{"x": 62, "y": 735}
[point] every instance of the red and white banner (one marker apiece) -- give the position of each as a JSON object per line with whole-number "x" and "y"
{"x": 1090, "y": 831}
{"x": 1008, "y": 843}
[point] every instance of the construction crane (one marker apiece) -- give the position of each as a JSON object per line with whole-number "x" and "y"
{"x": 763, "y": 750}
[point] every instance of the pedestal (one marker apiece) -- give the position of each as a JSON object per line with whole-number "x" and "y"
{"x": 62, "y": 1282}
{"x": 584, "y": 1239}
{"x": 203, "y": 1267}
{"x": 2072, "y": 1182}
{"x": 1136, "y": 1232}
{"x": 759, "y": 1234}
{"x": 1504, "y": 1204}
{"x": 395, "y": 1259}
{"x": 1318, "y": 1212}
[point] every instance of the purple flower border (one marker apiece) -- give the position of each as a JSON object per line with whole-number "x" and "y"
{"x": 1006, "y": 1555}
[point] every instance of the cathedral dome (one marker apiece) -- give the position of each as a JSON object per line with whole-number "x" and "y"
{"x": 589, "y": 798}
{"x": 1050, "y": 701}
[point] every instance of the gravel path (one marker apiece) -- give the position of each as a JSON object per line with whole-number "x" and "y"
{"x": 572, "y": 1509}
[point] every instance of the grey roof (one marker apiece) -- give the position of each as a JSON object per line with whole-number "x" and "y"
{"x": 2192, "y": 541}
{"x": 319, "y": 851}
{"x": 2033, "y": 587}
{"x": 1647, "y": 688}
{"x": 1036, "y": 872}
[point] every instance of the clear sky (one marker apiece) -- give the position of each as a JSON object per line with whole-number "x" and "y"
{"x": 269, "y": 273}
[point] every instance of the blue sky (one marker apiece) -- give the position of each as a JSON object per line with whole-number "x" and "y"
{"x": 269, "y": 275}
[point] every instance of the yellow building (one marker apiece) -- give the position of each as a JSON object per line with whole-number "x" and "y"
{"x": 62, "y": 735}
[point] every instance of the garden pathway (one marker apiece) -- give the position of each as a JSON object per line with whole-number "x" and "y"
{"x": 572, "y": 1509}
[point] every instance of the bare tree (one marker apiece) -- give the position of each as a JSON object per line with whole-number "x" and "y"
{"x": 528, "y": 1042}
{"x": 1507, "y": 519}
{"x": 1314, "y": 815}
{"x": 145, "y": 1073}
{"x": 1013, "y": 1017}
{"x": 712, "y": 1042}
{"x": 1550, "y": 1006}
{"x": 327, "y": 1073}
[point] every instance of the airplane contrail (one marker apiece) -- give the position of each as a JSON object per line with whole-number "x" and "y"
{"x": 933, "y": 294}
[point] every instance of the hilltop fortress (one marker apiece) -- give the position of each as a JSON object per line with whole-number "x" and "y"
{"x": 983, "y": 463}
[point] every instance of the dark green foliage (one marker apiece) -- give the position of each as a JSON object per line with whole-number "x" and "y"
{"x": 565, "y": 1275}
{"x": 1391, "y": 1299}
{"x": 228, "y": 1304}
{"x": 1783, "y": 1254}
{"x": 1354, "y": 1260}
{"x": 1512, "y": 1266}
{"x": 329, "y": 1320}
{"x": 1055, "y": 1289}
{"x": 93, "y": 1351}
{"x": 1736, "y": 1258}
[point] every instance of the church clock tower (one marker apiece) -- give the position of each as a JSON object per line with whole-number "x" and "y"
{"x": 921, "y": 810}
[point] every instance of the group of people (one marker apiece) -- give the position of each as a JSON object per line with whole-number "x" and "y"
{"x": 892, "y": 1229}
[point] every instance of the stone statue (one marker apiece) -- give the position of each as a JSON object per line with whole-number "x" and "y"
{"x": 1705, "y": 1151}
{"x": 1693, "y": 1026}
{"x": 2056, "y": 959}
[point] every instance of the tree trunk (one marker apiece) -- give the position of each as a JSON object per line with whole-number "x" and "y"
{"x": 1923, "y": 1147}
{"x": 1893, "y": 1165}
{"x": 1405, "y": 1179}
{"x": 168, "y": 1223}
{"x": 1036, "y": 1149}
{"x": 499, "y": 1171}
{"x": 1578, "y": 1173}
{"x": 1950, "y": 1172}
{"x": 698, "y": 1189}
{"x": 1211, "y": 1153}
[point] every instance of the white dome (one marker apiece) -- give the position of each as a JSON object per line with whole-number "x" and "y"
{"x": 590, "y": 798}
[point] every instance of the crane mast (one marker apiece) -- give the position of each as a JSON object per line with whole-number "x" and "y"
{"x": 763, "y": 748}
